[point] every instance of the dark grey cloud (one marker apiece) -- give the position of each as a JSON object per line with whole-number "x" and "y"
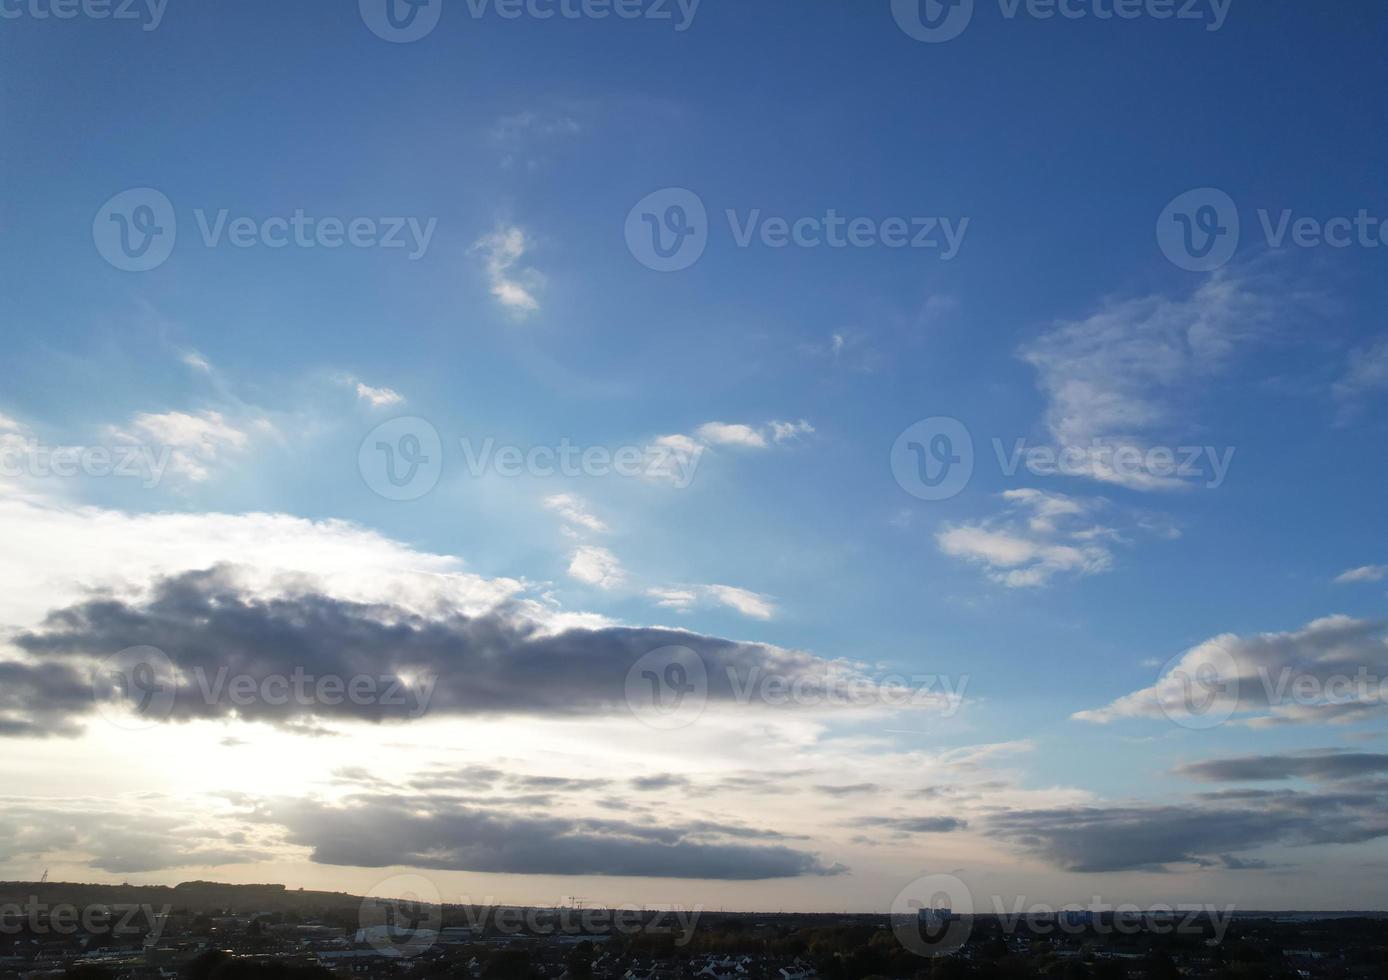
{"x": 1327, "y": 764}
{"x": 916, "y": 825}
{"x": 445, "y": 833}
{"x": 500, "y": 663}
{"x": 853, "y": 789}
{"x": 118, "y": 842}
{"x": 664, "y": 780}
{"x": 1214, "y": 831}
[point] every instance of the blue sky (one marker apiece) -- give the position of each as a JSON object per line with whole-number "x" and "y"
{"x": 528, "y": 320}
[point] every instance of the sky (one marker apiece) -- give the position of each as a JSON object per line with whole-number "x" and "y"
{"x": 749, "y": 455}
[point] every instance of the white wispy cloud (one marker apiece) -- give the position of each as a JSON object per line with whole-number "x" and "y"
{"x": 731, "y": 434}
{"x": 1364, "y": 573}
{"x": 196, "y": 361}
{"x": 1120, "y": 378}
{"x": 1038, "y": 536}
{"x": 684, "y": 598}
{"x": 1365, "y": 373}
{"x": 378, "y": 397}
{"x": 574, "y": 510}
{"x": 744, "y": 436}
{"x": 197, "y": 442}
{"x": 514, "y": 286}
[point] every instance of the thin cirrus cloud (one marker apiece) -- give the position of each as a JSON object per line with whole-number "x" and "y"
{"x": 1118, "y": 378}
{"x": 197, "y": 442}
{"x": 686, "y": 598}
{"x": 513, "y": 285}
{"x": 1364, "y": 573}
{"x": 1365, "y": 373}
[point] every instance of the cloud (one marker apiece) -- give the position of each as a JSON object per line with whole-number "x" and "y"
{"x": 1331, "y": 670}
{"x": 745, "y": 436}
{"x": 598, "y": 566}
{"x": 136, "y": 840}
{"x": 1037, "y": 537}
{"x": 731, "y": 434}
{"x": 748, "y": 603}
{"x": 574, "y": 510}
{"x": 916, "y": 825}
{"x": 379, "y": 397}
{"x": 685, "y": 597}
{"x": 1321, "y": 764}
{"x": 196, "y": 361}
{"x": 1120, "y": 378}
{"x": 385, "y": 830}
{"x": 1365, "y": 374}
{"x": 513, "y": 286}
{"x": 852, "y": 789}
{"x": 519, "y": 135}
{"x": 1364, "y": 573}
{"x": 502, "y": 662}
{"x": 1206, "y": 834}
{"x": 198, "y": 443}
